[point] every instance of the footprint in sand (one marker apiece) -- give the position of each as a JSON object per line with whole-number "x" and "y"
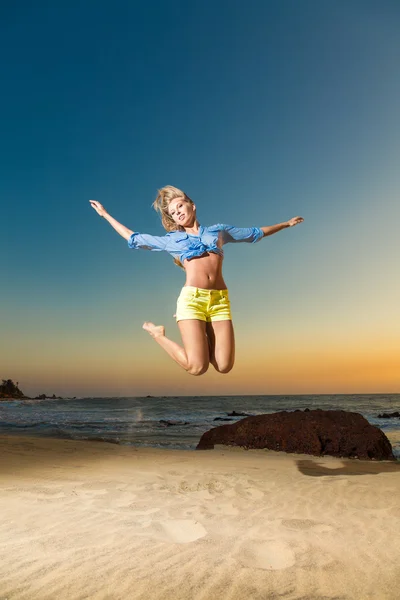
{"x": 224, "y": 509}
{"x": 301, "y": 524}
{"x": 39, "y": 495}
{"x": 177, "y": 531}
{"x": 142, "y": 517}
{"x": 207, "y": 487}
{"x": 267, "y": 555}
{"x": 218, "y": 508}
{"x": 119, "y": 497}
{"x": 144, "y": 513}
{"x": 251, "y": 493}
{"x": 124, "y": 500}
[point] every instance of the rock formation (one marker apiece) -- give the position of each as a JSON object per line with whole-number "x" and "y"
{"x": 317, "y": 432}
{"x": 392, "y": 415}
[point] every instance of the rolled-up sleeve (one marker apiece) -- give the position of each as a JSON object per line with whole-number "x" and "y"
{"x": 231, "y": 234}
{"x": 144, "y": 241}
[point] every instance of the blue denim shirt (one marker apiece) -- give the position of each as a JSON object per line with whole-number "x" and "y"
{"x": 185, "y": 246}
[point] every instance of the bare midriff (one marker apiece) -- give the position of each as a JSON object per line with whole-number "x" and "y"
{"x": 205, "y": 272}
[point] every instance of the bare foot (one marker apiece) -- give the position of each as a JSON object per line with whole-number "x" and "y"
{"x": 154, "y": 330}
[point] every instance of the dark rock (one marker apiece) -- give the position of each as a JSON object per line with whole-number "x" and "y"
{"x": 40, "y": 397}
{"x": 317, "y": 432}
{"x": 168, "y": 423}
{"x": 389, "y": 415}
{"x": 238, "y": 414}
{"x": 222, "y": 419}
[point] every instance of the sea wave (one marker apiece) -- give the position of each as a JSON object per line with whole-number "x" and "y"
{"x": 173, "y": 422}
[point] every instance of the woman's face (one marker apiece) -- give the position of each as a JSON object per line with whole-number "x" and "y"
{"x": 182, "y": 212}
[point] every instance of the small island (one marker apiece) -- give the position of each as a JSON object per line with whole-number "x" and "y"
{"x": 10, "y": 391}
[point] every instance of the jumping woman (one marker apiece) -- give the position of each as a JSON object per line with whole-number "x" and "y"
{"x": 203, "y": 309}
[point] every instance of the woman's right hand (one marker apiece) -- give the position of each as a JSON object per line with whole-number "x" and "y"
{"x": 99, "y": 208}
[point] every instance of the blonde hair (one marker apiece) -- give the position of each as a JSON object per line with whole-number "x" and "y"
{"x": 164, "y": 197}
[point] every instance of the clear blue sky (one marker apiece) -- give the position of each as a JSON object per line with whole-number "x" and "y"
{"x": 260, "y": 111}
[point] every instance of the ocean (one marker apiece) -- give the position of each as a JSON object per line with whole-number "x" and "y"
{"x": 174, "y": 422}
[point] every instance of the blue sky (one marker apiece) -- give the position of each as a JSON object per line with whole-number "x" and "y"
{"x": 260, "y": 111}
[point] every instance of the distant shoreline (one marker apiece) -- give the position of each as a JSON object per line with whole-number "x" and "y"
{"x": 40, "y": 397}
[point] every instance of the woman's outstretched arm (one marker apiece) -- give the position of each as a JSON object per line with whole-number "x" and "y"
{"x": 275, "y": 228}
{"x": 229, "y": 233}
{"x": 121, "y": 229}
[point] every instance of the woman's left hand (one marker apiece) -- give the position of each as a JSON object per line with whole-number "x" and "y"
{"x": 99, "y": 208}
{"x": 295, "y": 221}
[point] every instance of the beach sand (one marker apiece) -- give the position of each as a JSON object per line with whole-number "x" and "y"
{"x": 100, "y": 521}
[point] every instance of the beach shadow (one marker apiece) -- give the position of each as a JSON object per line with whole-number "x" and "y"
{"x": 315, "y": 469}
{"x": 19, "y": 453}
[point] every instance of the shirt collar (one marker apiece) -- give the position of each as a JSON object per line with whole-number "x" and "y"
{"x": 197, "y": 235}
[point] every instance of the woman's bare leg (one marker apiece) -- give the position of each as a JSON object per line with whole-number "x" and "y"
{"x": 221, "y": 340}
{"x": 194, "y": 356}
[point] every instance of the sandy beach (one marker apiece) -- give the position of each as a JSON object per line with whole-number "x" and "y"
{"x": 102, "y": 521}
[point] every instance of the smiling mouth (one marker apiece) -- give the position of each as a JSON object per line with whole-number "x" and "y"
{"x": 181, "y": 217}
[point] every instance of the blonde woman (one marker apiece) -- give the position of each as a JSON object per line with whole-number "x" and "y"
{"x": 203, "y": 309}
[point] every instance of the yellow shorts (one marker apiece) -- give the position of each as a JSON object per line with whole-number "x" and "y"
{"x": 204, "y": 305}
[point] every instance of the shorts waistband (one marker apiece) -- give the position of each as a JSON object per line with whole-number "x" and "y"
{"x": 204, "y": 292}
